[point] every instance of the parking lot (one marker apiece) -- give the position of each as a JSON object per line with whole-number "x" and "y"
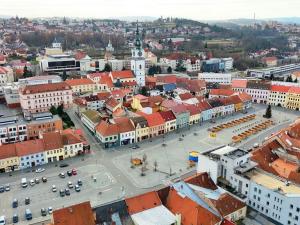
{"x": 42, "y": 196}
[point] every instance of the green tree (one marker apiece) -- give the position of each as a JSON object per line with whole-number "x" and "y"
{"x": 158, "y": 70}
{"x": 268, "y": 113}
{"x": 107, "y": 68}
{"x": 144, "y": 91}
{"x": 64, "y": 76}
{"x": 53, "y": 110}
{"x": 60, "y": 110}
{"x": 169, "y": 70}
{"x": 296, "y": 80}
{"x": 26, "y": 72}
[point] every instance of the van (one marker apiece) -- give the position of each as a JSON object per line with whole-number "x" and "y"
{"x": 28, "y": 214}
{"x": 15, "y": 218}
{"x": 2, "y": 220}
{"x": 24, "y": 183}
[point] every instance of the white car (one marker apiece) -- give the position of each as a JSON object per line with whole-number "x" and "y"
{"x": 50, "y": 210}
{"x": 70, "y": 184}
{"x": 7, "y": 187}
{"x": 39, "y": 170}
{"x": 54, "y": 188}
{"x": 31, "y": 182}
{"x": 2, "y": 220}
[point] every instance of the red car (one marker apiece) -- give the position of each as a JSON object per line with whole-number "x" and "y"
{"x": 74, "y": 171}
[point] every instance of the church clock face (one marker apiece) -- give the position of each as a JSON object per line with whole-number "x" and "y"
{"x": 140, "y": 53}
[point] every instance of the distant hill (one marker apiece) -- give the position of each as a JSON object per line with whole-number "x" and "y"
{"x": 135, "y": 18}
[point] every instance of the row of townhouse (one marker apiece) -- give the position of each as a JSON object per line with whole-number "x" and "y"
{"x": 282, "y": 94}
{"x": 15, "y": 128}
{"x": 169, "y": 117}
{"x": 51, "y": 147}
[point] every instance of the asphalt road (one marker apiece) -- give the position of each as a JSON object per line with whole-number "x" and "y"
{"x": 112, "y": 182}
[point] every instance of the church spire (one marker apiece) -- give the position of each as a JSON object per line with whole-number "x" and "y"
{"x": 138, "y": 43}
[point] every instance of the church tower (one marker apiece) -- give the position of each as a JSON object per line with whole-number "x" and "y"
{"x": 109, "y": 51}
{"x": 138, "y": 59}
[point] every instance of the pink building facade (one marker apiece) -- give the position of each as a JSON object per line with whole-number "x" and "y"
{"x": 40, "y": 98}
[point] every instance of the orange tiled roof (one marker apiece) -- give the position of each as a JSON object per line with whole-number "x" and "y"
{"x": 202, "y": 180}
{"x": 81, "y": 81}
{"x": 41, "y": 88}
{"x": 122, "y": 74}
{"x": 154, "y": 119}
{"x": 245, "y": 97}
{"x": 222, "y": 92}
{"x": 107, "y": 129}
{"x": 239, "y": 83}
{"x": 80, "y": 214}
{"x": 29, "y": 147}
{"x": 105, "y": 79}
{"x": 294, "y": 90}
{"x": 280, "y": 88}
{"x": 185, "y": 96}
{"x": 7, "y": 151}
{"x": 284, "y": 168}
{"x": 142, "y": 202}
{"x": 227, "y": 204}
{"x": 190, "y": 211}
{"x": 296, "y": 74}
{"x": 124, "y": 124}
{"x": 52, "y": 140}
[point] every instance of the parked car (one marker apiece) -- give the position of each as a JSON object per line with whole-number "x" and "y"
{"x": 37, "y": 180}
{"x": 62, "y": 175}
{"x": 77, "y": 188}
{"x": 31, "y": 182}
{"x": 54, "y": 188}
{"x": 69, "y": 173}
{"x": 63, "y": 165}
{"x": 79, "y": 182}
{"x": 50, "y": 210}
{"x": 43, "y": 212}
{"x": 62, "y": 193}
{"x": 15, "y": 218}
{"x": 28, "y": 214}
{"x": 27, "y": 201}
{"x": 2, "y": 220}
{"x": 70, "y": 184}
{"x": 44, "y": 179}
{"x": 7, "y": 187}
{"x": 15, "y": 203}
{"x": 39, "y": 170}
{"x": 67, "y": 191}
{"x": 74, "y": 171}
{"x": 2, "y": 189}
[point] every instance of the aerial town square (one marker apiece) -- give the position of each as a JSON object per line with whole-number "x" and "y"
{"x": 113, "y": 114}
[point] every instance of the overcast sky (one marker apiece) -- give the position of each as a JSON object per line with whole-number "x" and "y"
{"x": 194, "y": 9}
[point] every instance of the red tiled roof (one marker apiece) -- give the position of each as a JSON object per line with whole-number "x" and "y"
{"x": 151, "y": 79}
{"x": 185, "y": 96}
{"x": 77, "y": 82}
{"x": 112, "y": 102}
{"x": 168, "y": 79}
{"x": 3, "y": 70}
{"x": 155, "y": 99}
{"x": 154, "y": 119}
{"x": 294, "y": 90}
{"x": 234, "y": 99}
{"x": 7, "y": 151}
{"x": 52, "y": 140}
{"x": 105, "y": 79}
{"x": 193, "y": 109}
{"x": 122, "y": 74}
{"x": 80, "y": 55}
{"x": 190, "y": 211}
{"x": 80, "y": 214}
{"x": 41, "y": 88}
{"x": 202, "y": 180}
{"x": 107, "y": 129}
{"x": 103, "y": 95}
{"x": 118, "y": 93}
{"x": 245, "y": 97}
{"x": 267, "y": 59}
{"x": 168, "y": 103}
{"x": 227, "y": 204}
{"x": 124, "y": 124}
{"x": 221, "y": 92}
{"x": 178, "y": 109}
{"x": 29, "y": 147}
{"x": 129, "y": 83}
{"x": 142, "y": 202}
{"x": 204, "y": 105}
{"x": 167, "y": 115}
{"x": 280, "y": 88}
